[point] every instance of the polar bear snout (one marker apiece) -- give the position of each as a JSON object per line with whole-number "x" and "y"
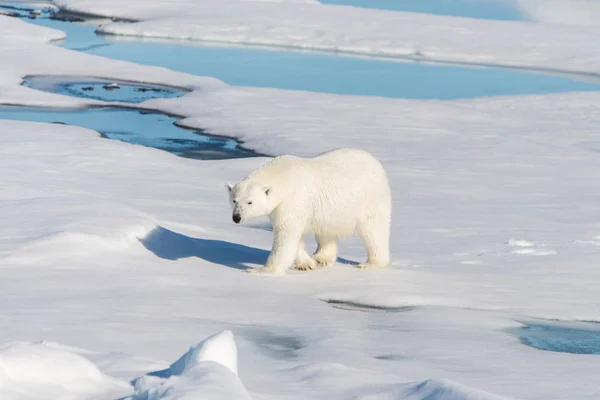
{"x": 237, "y": 218}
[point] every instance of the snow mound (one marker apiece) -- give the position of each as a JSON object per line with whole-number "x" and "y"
{"x": 219, "y": 348}
{"x": 72, "y": 227}
{"x": 207, "y": 370}
{"x": 42, "y": 371}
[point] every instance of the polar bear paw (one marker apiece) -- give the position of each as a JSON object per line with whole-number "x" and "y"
{"x": 306, "y": 265}
{"x": 323, "y": 261}
{"x": 374, "y": 265}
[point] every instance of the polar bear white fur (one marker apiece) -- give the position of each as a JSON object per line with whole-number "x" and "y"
{"x": 336, "y": 194}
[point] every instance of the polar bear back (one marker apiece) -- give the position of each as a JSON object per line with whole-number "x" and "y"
{"x": 330, "y": 194}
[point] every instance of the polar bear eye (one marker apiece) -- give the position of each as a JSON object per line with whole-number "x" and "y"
{"x": 234, "y": 201}
{"x": 249, "y": 203}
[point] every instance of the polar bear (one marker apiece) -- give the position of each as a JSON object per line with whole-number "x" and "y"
{"x": 333, "y": 195}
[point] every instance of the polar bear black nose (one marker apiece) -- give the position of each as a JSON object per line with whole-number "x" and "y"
{"x": 237, "y": 218}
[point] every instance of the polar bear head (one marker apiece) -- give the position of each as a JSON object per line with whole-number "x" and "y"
{"x": 249, "y": 200}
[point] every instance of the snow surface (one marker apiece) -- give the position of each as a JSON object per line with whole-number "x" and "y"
{"x": 130, "y": 252}
{"x": 343, "y": 29}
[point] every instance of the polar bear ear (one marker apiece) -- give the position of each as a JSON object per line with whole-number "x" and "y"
{"x": 229, "y": 187}
{"x": 267, "y": 190}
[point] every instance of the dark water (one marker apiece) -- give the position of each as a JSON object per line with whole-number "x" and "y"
{"x": 98, "y": 89}
{"x": 132, "y": 126}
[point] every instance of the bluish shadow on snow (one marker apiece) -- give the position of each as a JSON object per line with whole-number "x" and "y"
{"x": 576, "y": 338}
{"x": 430, "y": 389}
{"x": 273, "y": 342}
{"x": 174, "y": 246}
{"x": 163, "y": 373}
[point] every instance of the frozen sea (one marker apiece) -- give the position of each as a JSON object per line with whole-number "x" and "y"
{"x": 123, "y": 276}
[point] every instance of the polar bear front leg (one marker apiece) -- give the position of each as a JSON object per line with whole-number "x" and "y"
{"x": 303, "y": 261}
{"x": 283, "y": 253}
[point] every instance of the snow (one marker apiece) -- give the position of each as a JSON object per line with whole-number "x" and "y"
{"x": 164, "y": 289}
{"x": 31, "y": 371}
{"x": 130, "y": 252}
{"x": 208, "y": 367}
{"x": 343, "y": 29}
{"x": 219, "y": 348}
{"x": 16, "y": 34}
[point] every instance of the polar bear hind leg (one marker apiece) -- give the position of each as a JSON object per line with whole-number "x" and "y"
{"x": 375, "y": 234}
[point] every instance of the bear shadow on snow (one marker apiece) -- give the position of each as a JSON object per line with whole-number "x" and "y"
{"x": 173, "y": 246}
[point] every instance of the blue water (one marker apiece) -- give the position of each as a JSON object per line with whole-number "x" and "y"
{"x": 577, "y": 339}
{"x": 483, "y": 9}
{"x": 132, "y": 126}
{"x": 318, "y": 72}
{"x": 340, "y": 75}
